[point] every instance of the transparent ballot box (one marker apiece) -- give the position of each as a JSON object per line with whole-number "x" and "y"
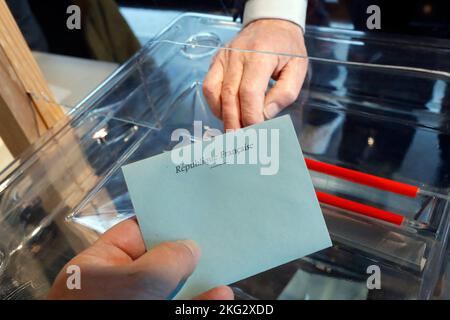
{"x": 372, "y": 119}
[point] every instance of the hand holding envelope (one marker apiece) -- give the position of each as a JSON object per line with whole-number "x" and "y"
{"x": 244, "y": 222}
{"x": 118, "y": 267}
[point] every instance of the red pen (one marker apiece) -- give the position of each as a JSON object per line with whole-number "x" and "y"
{"x": 363, "y": 178}
{"x": 360, "y": 208}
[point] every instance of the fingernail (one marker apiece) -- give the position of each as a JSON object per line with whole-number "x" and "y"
{"x": 271, "y": 110}
{"x": 191, "y": 246}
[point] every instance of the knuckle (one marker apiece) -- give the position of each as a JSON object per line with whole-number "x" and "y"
{"x": 228, "y": 91}
{"x": 256, "y": 60}
{"x": 257, "y": 44}
{"x": 290, "y": 95}
{"x": 251, "y": 116}
{"x": 246, "y": 91}
{"x": 249, "y": 90}
{"x": 208, "y": 89}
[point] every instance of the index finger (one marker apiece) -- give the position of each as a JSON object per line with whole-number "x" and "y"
{"x": 212, "y": 85}
{"x": 230, "y": 91}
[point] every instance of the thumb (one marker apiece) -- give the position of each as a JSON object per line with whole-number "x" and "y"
{"x": 287, "y": 88}
{"x": 168, "y": 265}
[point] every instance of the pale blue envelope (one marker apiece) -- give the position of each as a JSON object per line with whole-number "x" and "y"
{"x": 244, "y": 222}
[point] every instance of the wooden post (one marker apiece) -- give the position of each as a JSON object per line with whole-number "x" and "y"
{"x": 62, "y": 174}
{"x": 27, "y": 106}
